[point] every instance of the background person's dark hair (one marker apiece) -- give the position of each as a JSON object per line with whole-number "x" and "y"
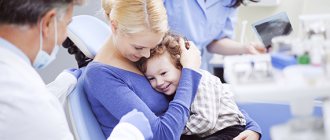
{"x": 237, "y": 3}
{"x": 29, "y": 12}
{"x": 81, "y": 58}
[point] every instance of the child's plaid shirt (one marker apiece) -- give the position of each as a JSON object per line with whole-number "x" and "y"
{"x": 213, "y": 109}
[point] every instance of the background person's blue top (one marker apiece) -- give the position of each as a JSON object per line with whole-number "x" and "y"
{"x": 201, "y": 22}
{"x": 113, "y": 92}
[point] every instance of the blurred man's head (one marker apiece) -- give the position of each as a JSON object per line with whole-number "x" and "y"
{"x": 35, "y": 26}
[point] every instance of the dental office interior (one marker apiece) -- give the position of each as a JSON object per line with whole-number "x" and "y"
{"x": 287, "y": 90}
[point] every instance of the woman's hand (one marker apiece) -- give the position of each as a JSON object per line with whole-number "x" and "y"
{"x": 191, "y": 57}
{"x": 248, "y": 135}
{"x": 255, "y": 48}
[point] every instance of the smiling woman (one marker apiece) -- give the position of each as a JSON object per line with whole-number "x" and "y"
{"x": 114, "y": 85}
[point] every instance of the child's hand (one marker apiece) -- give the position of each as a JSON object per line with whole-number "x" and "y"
{"x": 191, "y": 57}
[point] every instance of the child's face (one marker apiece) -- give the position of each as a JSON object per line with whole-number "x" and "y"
{"x": 162, "y": 74}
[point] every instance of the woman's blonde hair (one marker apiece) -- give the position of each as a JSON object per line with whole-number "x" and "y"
{"x": 135, "y": 16}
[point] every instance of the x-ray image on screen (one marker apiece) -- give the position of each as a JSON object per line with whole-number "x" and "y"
{"x": 273, "y": 26}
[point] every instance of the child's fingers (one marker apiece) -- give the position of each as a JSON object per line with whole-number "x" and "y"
{"x": 182, "y": 45}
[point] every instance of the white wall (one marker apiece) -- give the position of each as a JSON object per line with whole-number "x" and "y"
{"x": 316, "y": 7}
{"x": 293, "y": 8}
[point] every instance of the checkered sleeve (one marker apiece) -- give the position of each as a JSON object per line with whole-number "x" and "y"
{"x": 203, "y": 109}
{"x": 229, "y": 112}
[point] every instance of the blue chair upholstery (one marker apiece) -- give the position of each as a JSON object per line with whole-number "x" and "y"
{"x": 269, "y": 114}
{"x": 88, "y": 34}
{"x": 84, "y": 124}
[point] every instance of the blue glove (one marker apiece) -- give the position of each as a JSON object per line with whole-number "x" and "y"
{"x": 74, "y": 71}
{"x": 139, "y": 121}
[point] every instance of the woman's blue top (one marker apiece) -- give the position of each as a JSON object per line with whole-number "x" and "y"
{"x": 113, "y": 92}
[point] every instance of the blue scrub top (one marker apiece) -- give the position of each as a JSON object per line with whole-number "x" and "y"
{"x": 201, "y": 22}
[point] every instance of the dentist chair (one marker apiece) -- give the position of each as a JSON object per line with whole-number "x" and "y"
{"x": 88, "y": 34}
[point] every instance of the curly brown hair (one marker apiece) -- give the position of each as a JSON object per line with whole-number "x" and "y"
{"x": 170, "y": 44}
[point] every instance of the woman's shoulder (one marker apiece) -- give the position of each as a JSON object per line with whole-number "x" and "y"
{"x": 97, "y": 69}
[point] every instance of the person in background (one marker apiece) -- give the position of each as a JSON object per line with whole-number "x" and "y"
{"x": 214, "y": 113}
{"x": 210, "y": 25}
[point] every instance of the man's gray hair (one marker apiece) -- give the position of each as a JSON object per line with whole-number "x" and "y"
{"x": 29, "y": 12}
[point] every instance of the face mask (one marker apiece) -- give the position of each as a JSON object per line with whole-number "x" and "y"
{"x": 43, "y": 58}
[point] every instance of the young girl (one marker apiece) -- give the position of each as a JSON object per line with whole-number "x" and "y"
{"x": 214, "y": 112}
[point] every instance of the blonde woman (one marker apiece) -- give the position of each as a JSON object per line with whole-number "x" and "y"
{"x": 114, "y": 85}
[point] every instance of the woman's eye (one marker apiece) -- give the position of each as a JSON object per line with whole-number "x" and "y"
{"x": 163, "y": 73}
{"x": 138, "y": 48}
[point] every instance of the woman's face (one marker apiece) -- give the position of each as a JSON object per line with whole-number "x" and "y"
{"x": 137, "y": 45}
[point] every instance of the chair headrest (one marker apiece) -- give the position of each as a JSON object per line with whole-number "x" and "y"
{"x": 88, "y": 33}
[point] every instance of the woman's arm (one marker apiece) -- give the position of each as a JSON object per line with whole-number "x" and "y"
{"x": 119, "y": 99}
{"x": 227, "y": 46}
{"x": 250, "y": 123}
{"x": 252, "y": 129}
{"x": 248, "y": 135}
